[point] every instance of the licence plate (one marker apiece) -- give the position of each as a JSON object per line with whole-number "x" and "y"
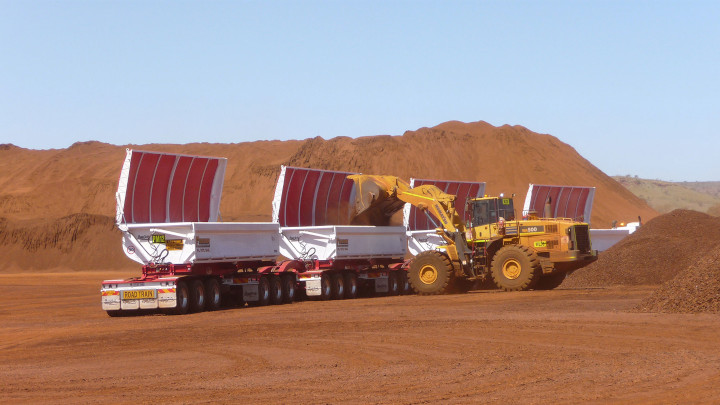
{"x": 138, "y": 294}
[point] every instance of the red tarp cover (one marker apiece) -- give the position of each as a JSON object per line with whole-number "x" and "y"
{"x": 565, "y": 201}
{"x": 463, "y": 190}
{"x": 162, "y": 187}
{"x": 312, "y": 197}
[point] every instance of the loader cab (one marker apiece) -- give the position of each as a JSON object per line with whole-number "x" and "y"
{"x": 487, "y": 214}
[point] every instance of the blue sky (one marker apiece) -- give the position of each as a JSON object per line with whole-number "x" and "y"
{"x": 634, "y": 86}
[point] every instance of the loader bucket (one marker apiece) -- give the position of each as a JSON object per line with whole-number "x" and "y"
{"x": 375, "y": 199}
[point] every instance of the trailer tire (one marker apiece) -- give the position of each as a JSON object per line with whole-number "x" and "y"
{"x": 116, "y": 313}
{"x": 197, "y": 296}
{"x": 516, "y": 268}
{"x": 213, "y": 296}
{"x": 338, "y": 286}
{"x": 351, "y": 285}
{"x": 276, "y": 294}
{"x": 550, "y": 281}
{"x": 182, "y": 297}
{"x": 288, "y": 288}
{"x": 263, "y": 293}
{"x": 430, "y": 273}
{"x": 325, "y": 287}
{"x": 393, "y": 283}
{"x": 403, "y": 284}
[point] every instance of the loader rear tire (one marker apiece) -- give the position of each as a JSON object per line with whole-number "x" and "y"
{"x": 430, "y": 272}
{"x": 550, "y": 281}
{"x": 516, "y": 268}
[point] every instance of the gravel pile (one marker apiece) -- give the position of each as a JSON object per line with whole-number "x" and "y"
{"x": 695, "y": 289}
{"x": 655, "y": 253}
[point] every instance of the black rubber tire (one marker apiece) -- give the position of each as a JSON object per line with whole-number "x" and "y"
{"x": 325, "y": 287}
{"x": 263, "y": 293}
{"x": 550, "y": 281}
{"x": 213, "y": 295}
{"x": 197, "y": 296}
{"x": 393, "y": 284}
{"x": 182, "y": 296}
{"x": 116, "y": 313}
{"x": 430, "y": 273}
{"x": 288, "y": 288}
{"x": 337, "y": 286}
{"x": 276, "y": 295}
{"x": 351, "y": 285}
{"x": 516, "y": 268}
{"x": 403, "y": 283}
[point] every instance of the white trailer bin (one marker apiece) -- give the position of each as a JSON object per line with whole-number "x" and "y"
{"x": 168, "y": 209}
{"x": 201, "y": 242}
{"x": 343, "y": 242}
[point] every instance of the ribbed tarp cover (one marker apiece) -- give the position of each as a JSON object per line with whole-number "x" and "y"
{"x": 565, "y": 201}
{"x": 463, "y": 190}
{"x": 163, "y": 187}
{"x": 312, "y": 197}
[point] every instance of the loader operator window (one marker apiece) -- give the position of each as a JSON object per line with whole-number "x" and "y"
{"x": 484, "y": 212}
{"x": 506, "y": 208}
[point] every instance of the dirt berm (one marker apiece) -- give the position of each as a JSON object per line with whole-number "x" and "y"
{"x": 694, "y": 289}
{"x": 38, "y": 187}
{"x": 655, "y": 253}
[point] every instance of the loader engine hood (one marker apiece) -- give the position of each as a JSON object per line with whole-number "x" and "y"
{"x": 159, "y": 187}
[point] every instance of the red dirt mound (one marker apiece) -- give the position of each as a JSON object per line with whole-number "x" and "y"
{"x": 80, "y": 241}
{"x": 654, "y": 254}
{"x": 693, "y": 290}
{"x": 50, "y": 184}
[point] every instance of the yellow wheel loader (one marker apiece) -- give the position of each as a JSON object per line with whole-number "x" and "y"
{"x": 491, "y": 243}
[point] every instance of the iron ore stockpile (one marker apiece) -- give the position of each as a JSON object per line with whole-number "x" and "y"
{"x": 678, "y": 251}
{"x": 694, "y": 289}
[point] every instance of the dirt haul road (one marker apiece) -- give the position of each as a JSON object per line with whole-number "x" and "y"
{"x": 566, "y": 345}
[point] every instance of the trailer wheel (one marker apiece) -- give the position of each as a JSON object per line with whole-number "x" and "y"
{"x": 288, "y": 288}
{"x": 550, "y": 281}
{"x": 430, "y": 273}
{"x": 197, "y": 296}
{"x": 263, "y": 293}
{"x": 516, "y": 268}
{"x": 182, "y": 299}
{"x": 276, "y": 295}
{"x": 393, "y": 283}
{"x": 338, "y": 286}
{"x": 351, "y": 285}
{"x": 213, "y": 296}
{"x": 325, "y": 287}
{"x": 403, "y": 284}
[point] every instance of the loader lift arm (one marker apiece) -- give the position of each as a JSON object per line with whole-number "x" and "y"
{"x": 377, "y": 198}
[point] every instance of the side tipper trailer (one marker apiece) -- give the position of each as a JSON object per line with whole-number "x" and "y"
{"x": 168, "y": 208}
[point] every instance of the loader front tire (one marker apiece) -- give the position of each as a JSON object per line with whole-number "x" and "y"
{"x": 516, "y": 268}
{"x": 430, "y": 273}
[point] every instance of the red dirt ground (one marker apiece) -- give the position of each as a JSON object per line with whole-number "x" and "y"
{"x": 560, "y": 346}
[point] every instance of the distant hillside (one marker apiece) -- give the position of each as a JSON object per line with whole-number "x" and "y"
{"x": 665, "y": 196}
